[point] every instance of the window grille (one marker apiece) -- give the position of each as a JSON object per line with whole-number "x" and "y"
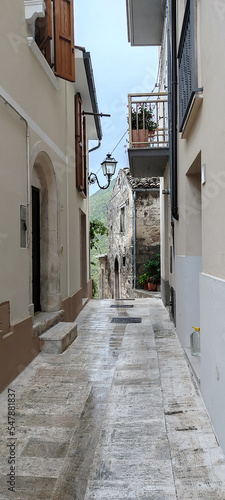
{"x": 187, "y": 63}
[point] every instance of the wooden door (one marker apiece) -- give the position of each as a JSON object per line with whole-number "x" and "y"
{"x": 36, "y": 271}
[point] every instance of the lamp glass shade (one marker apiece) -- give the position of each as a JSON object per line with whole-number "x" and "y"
{"x": 109, "y": 165}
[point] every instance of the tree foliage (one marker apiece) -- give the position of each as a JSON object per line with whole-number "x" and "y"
{"x": 98, "y": 211}
{"x": 96, "y": 228}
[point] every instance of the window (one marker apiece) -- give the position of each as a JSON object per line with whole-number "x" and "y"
{"x": 80, "y": 147}
{"x": 55, "y": 37}
{"x": 122, "y": 219}
{"x": 187, "y": 63}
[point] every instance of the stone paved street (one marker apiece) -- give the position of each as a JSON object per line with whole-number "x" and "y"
{"x": 116, "y": 416}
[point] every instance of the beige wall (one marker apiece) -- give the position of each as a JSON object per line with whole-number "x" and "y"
{"x": 37, "y": 143}
{"x": 166, "y": 239}
{"x": 68, "y": 202}
{"x": 200, "y": 235}
{"x": 198, "y": 238}
{"x": 206, "y": 138}
{"x": 50, "y": 116}
{"x": 13, "y": 193}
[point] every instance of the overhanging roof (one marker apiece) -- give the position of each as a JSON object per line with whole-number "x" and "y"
{"x": 86, "y": 86}
{"x": 145, "y": 20}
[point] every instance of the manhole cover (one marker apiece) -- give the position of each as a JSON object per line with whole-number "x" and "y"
{"x": 120, "y": 306}
{"x": 126, "y": 320}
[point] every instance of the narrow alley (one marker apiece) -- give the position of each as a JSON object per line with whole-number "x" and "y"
{"x": 118, "y": 415}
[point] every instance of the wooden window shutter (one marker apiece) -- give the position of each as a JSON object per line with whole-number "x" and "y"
{"x": 64, "y": 39}
{"x": 187, "y": 64}
{"x": 79, "y": 143}
{"x": 43, "y": 32}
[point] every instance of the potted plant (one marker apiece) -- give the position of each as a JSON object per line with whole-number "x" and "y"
{"x": 153, "y": 269}
{"x": 143, "y": 280}
{"x": 142, "y": 123}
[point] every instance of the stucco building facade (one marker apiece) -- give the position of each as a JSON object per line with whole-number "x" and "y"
{"x": 133, "y": 234}
{"x": 44, "y": 247}
{"x": 191, "y": 38}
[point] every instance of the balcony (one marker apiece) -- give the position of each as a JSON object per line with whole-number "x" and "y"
{"x": 145, "y": 20}
{"x": 148, "y": 151}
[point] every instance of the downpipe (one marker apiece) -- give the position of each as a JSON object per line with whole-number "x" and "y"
{"x": 134, "y": 245}
{"x": 174, "y": 109}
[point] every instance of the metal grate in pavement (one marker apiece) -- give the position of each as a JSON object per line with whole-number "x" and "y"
{"x": 126, "y": 320}
{"x": 121, "y": 307}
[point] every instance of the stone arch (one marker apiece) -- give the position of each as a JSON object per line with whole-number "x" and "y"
{"x": 50, "y": 299}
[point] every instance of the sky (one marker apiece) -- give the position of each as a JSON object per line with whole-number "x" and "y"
{"x": 119, "y": 69}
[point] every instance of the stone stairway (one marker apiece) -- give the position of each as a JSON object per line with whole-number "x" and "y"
{"x": 58, "y": 338}
{"x": 55, "y": 335}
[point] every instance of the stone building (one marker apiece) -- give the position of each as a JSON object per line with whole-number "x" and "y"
{"x": 134, "y": 234}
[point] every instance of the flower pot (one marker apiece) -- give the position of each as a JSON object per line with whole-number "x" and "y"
{"x": 152, "y": 287}
{"x": 140, "y": 136}
{"x": 145, "y": 286}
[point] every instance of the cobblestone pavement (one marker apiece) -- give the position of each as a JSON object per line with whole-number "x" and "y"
{"x": 116, "y": 416}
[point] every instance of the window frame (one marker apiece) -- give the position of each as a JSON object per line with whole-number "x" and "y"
{"x": 80, "y": 147}
{"x": 122, "y": 219}
{"x": 187, "y": 72}
{"x": 58, "y": 26}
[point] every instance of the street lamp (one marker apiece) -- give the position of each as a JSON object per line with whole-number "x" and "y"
{"x": 108, "y": 169}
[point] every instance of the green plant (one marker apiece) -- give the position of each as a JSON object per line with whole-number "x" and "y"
{"x": 143, "y": 278}
{"x": 96, "y": 227}
{"x": 97, "y": 232}
{"x": 94, "y": 289}
{"x": 142, "y": 117}
{"x": 153, "y": 268}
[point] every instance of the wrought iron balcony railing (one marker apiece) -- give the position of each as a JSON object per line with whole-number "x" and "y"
{"x": 148, "y": 120}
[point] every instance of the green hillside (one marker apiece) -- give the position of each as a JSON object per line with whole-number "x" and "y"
{"x": 98, "y": 210}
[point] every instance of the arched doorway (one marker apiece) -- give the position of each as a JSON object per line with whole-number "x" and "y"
{"x": 45, "y": 289}
{"x": 117, "y": 281}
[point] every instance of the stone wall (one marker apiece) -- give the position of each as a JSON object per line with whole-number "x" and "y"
{"x": 147, "y": 228}
{"x": 116, "y": 271}
{"x": 120, "y": 239}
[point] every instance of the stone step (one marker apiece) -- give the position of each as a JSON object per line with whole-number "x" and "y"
{"x": 45, "y": 320}
{"x": 58, "y": 338}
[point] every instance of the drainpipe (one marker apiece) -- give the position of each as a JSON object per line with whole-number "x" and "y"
{"x": 27, "y": 164}
{"x": 173, "y": 27}
{"x": 169, "y": 83}
{"x": 134, "y": 210}
{"x": 28, "y": 183}
{"x": 96, "y": 147}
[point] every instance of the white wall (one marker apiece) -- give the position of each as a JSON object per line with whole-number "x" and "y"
{"x": 187, "y": 295}
{"x": 212, "y": 335}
